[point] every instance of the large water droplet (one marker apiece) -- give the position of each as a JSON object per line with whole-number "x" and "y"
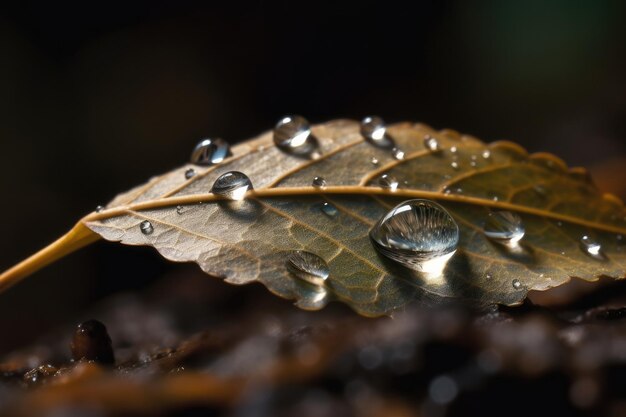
{"x": 308, "y": 267}
{"x": 431, "y": 143}
{"x": 232, "y": 185}
{"x": 329, "y": 209}
{"x": 373, "y": 128}
{"x": 293, "y": 134}
{"x": 504, "y": 227}
{"x": 419, "y": 234}
{"x": 318, "y": 182}
{"x": 190, "y": 173}
{"x": 590, "y": 246}
{"x": 388, "y": 182}
{"x": 210, "y": 151}
{"x": 146, "y": 227}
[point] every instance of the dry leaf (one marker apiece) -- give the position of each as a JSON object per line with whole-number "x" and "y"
{"x": 250, "y": 240}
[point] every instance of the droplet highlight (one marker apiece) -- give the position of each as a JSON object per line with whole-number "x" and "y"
{"x": 146, "y": 227}
{"x": 516, "y": 283}
{"x": 308, "y": 267}
{"x": 318, "y": 182}
{"x": 210, "y": 151}
{"x": 590, "y": 246}
{"x": 232, "y": 185}
{"x": 504, "y": 227}
{"x": 190, "y": 173}
{"x": 398, "y": 154}
{"x": 293, "y": 135}
{"x": 99, "y": 209}
{"x": 431, "y": 143}
{"x": 388, "y": 182}
{"x": 374, "y": 161}
{"x": 419, "y": 234}
{"x": 373, "y": 128}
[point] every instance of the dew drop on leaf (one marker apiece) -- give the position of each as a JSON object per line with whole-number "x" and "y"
{"x": 308, "y": 267}
{"x": 146, "y": 227}
{"x": 590, "y": 246}
{"x": 374, "y": 131}
{"x": 419, "y": 234}
{"x": 210, "y": 151}
{"x": 293, "y": 135}
{"x": 190, "y": 173}
{"x": 516, "y": 284}
{"x": 486, "y": 154}
{"x": 318, "y": 182}
{"x": 179, "y": 209}
{"x": 374, "y": 161}
{"x": 388, "y": 182}
{"x": 455, "y": 165}
{"x": 453, "y": 149}
{"x": 398, "y": 154}
{"x": 232, "y": 185}
{"x": 329, "y": 209}
{"x": 431, "y": 143}
{"x": 99, "y": 209}
{"x": 504, "y": 227}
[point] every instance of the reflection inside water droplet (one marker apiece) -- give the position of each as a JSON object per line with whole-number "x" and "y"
{"x": 210, "y": 151}
{"x": 388, "y": 182}
{"x": 486, "y": 154}
{"x": 431, "y": 143}
{"x": 190, "y": 173}
{"x": 329, "y": 209}
{"x": 374, "y": 161}
{"x": 318, "y": 182}
{"x": 99, "y": 209}
{"x": 419, "y": 234}
{"x": 308, "y": 267}
{"x": 504, "y": 227}
{"x": 293, "y": 135}
{"x": 516, "y": 284}
{"x": 374, "y": 130}
{"x": 455, "y": 165}
{"x": 590, "y": 246}
{"x": 398, "y": 154}
{"x": 232, "y": 185}
{"x": 146, "y": 227}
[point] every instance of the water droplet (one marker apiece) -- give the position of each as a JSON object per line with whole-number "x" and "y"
{"x": 453, "y": 149}
{"x": 232, "y": 185}
{"x": 486, "y": 154}
{"x": 388, "y": 182}
{"x": 455, "y": 165}
{"x": 210, "y": 151}
{"x": 308, "y": 267}
{"x": 99, "y": 209}
{"x": 190, "y": 173}
{"x": 473, "y": 164}
{"x": 590, "y": 246}
{"x": 146, "y": 227}
{"x": 179, "y": 209}
{"x": 398, "y": 154}
{"x": 319, "y": 182}
{"x": 373, "y": 128}
{"x": 419, "y": 234}
{"x": 516, "y": 284}
{"x": 431, "y": 143}
{"x": 374, "y": 160}
{"x": 293, "y": 134}
{"x": 489, "y": 276}
{"x": 329, "y": 209}
{"x": 505, "y": 227}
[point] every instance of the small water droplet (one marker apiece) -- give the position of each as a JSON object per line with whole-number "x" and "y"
{"x": 590, "y": 246}
{"x": 455, "y": 165}
{"x": 373, "y": 128}
{"x": 388, "y": 182}
{"x": 190, "y": 173}
{"x": 99, "y": 209}
{"x": 419, "y": 234}
{"x": 179, "y": 209}
{"x": 486, "y": 154}
{"x": 489, "y": 276}
{"x": 495, "y": 198}
{"x": 516, "y": 284}
{"x": 374, "y": 160}
{"x": 293, "y": 134}
{"x": 319, "y": 182}
{"x": 453, "y": 149}
{"x": 505, "y": 227}
{"x": 398, "y": 154}
{"x": 146, "y": 227}
{"x": 329, "y": 209}
{"x": 210, "y": 151}
{"x": 431, "y": 143}
{"x": 308, "y": 267}
{"x": 473, "y": 164}
{"x": 232, "y": 185}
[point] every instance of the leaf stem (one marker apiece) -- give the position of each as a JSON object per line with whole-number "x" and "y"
{"x": 79, "y": 236}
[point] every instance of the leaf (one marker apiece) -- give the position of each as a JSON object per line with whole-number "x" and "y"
{"x": 249, "y": 241}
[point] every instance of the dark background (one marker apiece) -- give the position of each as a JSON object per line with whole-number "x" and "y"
{"x": 96, "y": 98}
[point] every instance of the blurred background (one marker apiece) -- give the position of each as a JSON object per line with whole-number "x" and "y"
{"x": 96, "y": 98}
